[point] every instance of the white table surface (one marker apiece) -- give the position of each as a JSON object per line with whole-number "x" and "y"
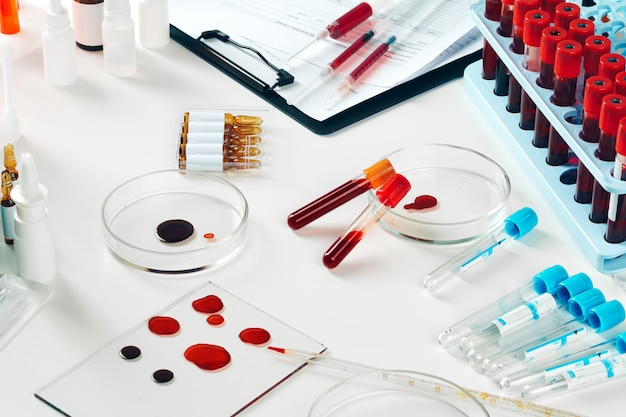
{"x": 91, "y": 136}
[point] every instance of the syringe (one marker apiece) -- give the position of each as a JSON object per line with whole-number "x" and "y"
{"x": 545, "y": 281}
{"x": 514, "y": 227}
{"x": 540, "y": 370}
{"x": 587, "y": 375}
{"x": 532, "y": 311}
{"x": 515, "y": 330}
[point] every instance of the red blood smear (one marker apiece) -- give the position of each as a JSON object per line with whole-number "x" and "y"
{"x": 422, "y": 202}
{"x": 163, "y": 325}
{"x": 341, "y": 248}
{"x": 208, "y": 357}
{"x": 254, "y": 336}
{"x": 209, "y": 304}
{"x": 215, "y": 319}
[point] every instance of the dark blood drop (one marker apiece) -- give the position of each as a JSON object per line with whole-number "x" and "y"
{"x": 215, "y": 319}
{"x": 422, "y": 202}
{"x": 208, "y": 357}
{"x": 163, "y": 325}
{"x": 254, "y": 336}
{"x": 130, "y": 352}
{"x": 173, "y": 231}
{"x": 163, "y": 376}
{"x": 209, "y": 304}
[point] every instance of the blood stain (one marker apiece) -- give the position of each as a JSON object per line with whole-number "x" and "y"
{"x": 130, "y": 352}
{"x": 422, "y": 202}
{"x": 209, "y": 236}
{"x": 207, "y": 357}
{"x": 255, "y": 336}
{"x": 174, "y": 231}
{"x": 163, "y": 325}
{"x": 210, "y": 304}
{"x": 215, "y": 319}
{"x": 162, "y": 376}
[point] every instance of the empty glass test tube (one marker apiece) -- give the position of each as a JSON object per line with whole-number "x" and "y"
{"x": 514, "y": 227}
{"x": 545, "y": 281}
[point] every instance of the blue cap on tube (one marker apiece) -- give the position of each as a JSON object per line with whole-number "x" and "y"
{"x": 548, "y": 279}
{"x": 580, "y": 304}
{"x": 620, "y": 343}
{"x": 573, "y": 285}
{"x": 520, "y": 222}
{"x": 606, "y": 315}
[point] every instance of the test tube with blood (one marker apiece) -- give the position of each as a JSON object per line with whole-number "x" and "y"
{"x": 550, "y": 37}
{"x": 566, "y": 69}
{"x": 372, "y": 178}
{"x": 594, "y": 47}
{"x": 616, "y": 224}
{"x": 520, "y": 8}
{"x": 596, "y": 87}
{"x": 505, "y": 29}
{"x": 493, "y": 9}
{"x": 612, "y": 111}
{"x": 579, "y": 30}
{"x": 564, "y": 13}
{"x": 387, "y": 197}
{"x": 534, "y": 23}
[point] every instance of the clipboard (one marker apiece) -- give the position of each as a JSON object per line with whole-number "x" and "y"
{"x": 233, "y": 65}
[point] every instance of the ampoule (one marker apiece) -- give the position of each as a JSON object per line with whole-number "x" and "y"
{"x": 226, "y": 118}
{"x": 10, "y": 162}
{"x": 616, "y": 217}
{"x": 545, "y": 281}
{"x": 7, "y": 208}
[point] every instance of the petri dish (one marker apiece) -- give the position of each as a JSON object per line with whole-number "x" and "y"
{"x": 211, "y": 211}
{"x": 471, "y": 191}
{"x": 396, "y": 393}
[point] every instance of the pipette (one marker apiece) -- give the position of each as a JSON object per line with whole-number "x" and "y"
{"x": 540, "y": 370}
{"x": 387, "y": 196}
{"x": 545, "y": 281}
{"x": 588, "y": 375}
{"x": 372, "y": 178}
{"x": 10, "y": 126}
{"x": 484, "y": 399}
{"x": 514, "y": 227}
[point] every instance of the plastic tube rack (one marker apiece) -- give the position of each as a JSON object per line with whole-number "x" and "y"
{"x": 606, "y": 257}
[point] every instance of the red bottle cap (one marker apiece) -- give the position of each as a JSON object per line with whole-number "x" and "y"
{"x": 550, "y": 6}
{"x": 620, "y": 140}
{"x": 565, "y": 13}
{"x": 508, "y": 2}
{"x": 520, "y": 9}
{"x": 393, "y": 191}
{"x": 569, "y": 54}
{"x": 595, "y": 47}
{"x": 550, "y": 37}
{"x": 581, "y": 29}
{"x": 596, "y": 87}
{"x": 611, "y": 64}
{"x": 534, "y": 22}
{"x": 620, "y": 83}
{"x": 612, "y": 110}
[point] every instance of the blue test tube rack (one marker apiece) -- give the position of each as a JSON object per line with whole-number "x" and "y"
{"x": 606, "y": 257}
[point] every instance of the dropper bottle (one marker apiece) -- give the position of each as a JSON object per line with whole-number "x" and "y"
{"x": 118, "y": 37}
{"x": 59, "y": 46}
{"x": 154, "y": 23}
{"x": 34, "y": 246}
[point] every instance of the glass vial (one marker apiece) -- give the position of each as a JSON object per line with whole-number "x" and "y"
{"x": 118, "y": 36}
{"x": 58, "y": 45}
{"x": 87, "y": 18}
{"x": 154, "y": 23}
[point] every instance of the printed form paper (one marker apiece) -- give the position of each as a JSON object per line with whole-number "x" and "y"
{"x": 430, "y": 33}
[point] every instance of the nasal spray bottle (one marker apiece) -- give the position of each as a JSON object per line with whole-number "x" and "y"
{"x": 34, "y": 246}
{"x": 118, "y": 36}
{"x": 59, "y": 46}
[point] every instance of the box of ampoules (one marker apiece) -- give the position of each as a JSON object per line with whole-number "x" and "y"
{"x": 229, "y": 140}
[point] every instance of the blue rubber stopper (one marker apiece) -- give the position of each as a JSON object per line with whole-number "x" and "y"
{"x": 580, "y": 304}
{"x": 620, "y": 343}
{"x": 548, "y": 279}
{"x": 606, "y": 315}
{"x": 572, "y": 286}
{"x": 521, "y": 222}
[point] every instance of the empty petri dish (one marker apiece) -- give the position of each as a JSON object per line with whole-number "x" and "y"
{"x": 175, "y": 221}
{"x": 471, "y": 192}
{"x": 396, "y": 393}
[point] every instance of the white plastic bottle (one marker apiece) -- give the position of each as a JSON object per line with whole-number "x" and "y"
{"x": 59, "y": 46}
{"x": 118, "y": 36}
{"x": 154, "y": 23}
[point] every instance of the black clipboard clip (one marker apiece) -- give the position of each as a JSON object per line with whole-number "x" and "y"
{"x": 283, "y": 77}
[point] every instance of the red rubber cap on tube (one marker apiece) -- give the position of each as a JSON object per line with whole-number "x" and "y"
{"x": 580, "y": 29}
{"x": 550, "y": 37}
{"x": 569, "y": 54}
{"x": 565, "y": 13}
{"x": 595, "y": 47}
{"x": 596, "y": 87}
{"x": 534, "y": 22}
{"x": 620, "y": 141}
{"x": 612, "y": 110}
{"x": 394, "y": 190}
{"x": 520, "y": 9}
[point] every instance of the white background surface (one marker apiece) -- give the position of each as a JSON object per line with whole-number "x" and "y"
{"x": 89, "y": 137}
